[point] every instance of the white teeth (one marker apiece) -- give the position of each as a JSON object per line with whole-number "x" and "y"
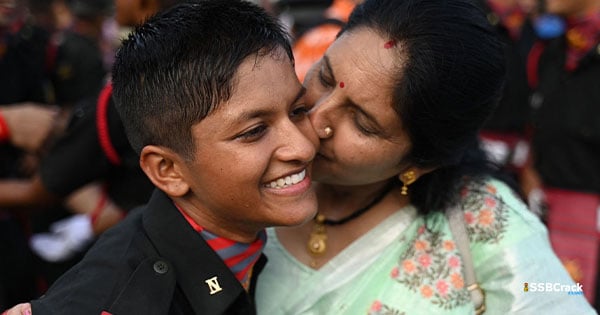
{"x": 287, "y": 181}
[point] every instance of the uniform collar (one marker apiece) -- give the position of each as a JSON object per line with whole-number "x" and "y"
{"x": 206, "y": 281}
{"x": 239, "y": 257}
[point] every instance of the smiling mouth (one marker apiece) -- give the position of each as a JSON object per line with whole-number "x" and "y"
{"x": 287, "y": 180}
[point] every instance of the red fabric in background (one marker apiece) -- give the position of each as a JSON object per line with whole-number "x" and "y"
{"x": 572, "y": 223}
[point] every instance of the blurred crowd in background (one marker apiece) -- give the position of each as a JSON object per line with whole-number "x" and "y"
{"x": 66, "y": 173}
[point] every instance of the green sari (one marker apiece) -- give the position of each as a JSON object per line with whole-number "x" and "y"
{"x": 410, "y": 264}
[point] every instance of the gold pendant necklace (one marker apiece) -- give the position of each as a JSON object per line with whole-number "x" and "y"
{"x": 317, "y": 241}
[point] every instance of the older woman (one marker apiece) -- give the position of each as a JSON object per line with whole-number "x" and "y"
{"x": 411, "y": 219}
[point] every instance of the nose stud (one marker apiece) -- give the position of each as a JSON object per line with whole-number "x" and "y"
{"x": 328, "y": 131}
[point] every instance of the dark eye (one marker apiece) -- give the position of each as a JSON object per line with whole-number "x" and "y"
{"x": 325, "y": 79}
{"x": 299, "y": 113}
{"x": 365, "y": 130}
{"x": 253, "y": 134}
{"x": 364, "y": 127}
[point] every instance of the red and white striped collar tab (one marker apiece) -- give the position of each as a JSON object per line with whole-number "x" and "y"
{"x": 239, "y": 257}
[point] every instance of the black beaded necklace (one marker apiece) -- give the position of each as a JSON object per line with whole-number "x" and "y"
{"x": 358, "y": 212}
{"x": 317, "y": 241}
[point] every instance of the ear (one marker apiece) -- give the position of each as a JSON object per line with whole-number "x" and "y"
{"x": 165, "y": 169}
{"x": 412, "y": 174}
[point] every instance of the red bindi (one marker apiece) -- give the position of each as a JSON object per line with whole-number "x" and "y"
{"x": 342, "y": 85}
{"x": 389, "y": 44}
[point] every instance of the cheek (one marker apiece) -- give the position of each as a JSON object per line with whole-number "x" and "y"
{"x": 369, "y": 157}
{"x": 246, "y": 166}
{"x": 231, "y": 184}
{"x": 308, "y": 130}
{"x": 229, "y": 168}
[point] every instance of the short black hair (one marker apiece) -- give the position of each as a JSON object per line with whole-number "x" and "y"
{"x": 177, "y": 67}
{"x": 448, "y": 80}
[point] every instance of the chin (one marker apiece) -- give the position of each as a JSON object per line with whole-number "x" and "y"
{"x": 302, "y": 213}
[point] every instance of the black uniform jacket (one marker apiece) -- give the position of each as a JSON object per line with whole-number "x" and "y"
{"x": 567, "y": 136}
{"x": 153, "y": 262}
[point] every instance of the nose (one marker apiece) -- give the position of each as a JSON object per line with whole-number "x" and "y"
{"x": 299, "y": 143}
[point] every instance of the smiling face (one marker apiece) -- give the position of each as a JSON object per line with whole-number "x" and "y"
{"x": 253, "y": 156}
{"x": 351, "y": 88}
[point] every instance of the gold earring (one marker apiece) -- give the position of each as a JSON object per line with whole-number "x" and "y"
{"x": 407, "y": 178}
{"x": 328, "y": 131}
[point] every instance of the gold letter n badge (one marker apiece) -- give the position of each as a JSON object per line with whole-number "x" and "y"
{"x": 213, "y": 285}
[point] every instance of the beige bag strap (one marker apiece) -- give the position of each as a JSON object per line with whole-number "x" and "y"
{"x": 459, "y": 231}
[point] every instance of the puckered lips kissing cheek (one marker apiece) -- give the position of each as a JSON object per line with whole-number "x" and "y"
{"x": 325, "y": 152}
{"x": 296, "y": 182}
{"x": 323, "y": 157}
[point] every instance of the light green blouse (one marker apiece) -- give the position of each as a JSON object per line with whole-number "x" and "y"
{"x": 409, "y": 264}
